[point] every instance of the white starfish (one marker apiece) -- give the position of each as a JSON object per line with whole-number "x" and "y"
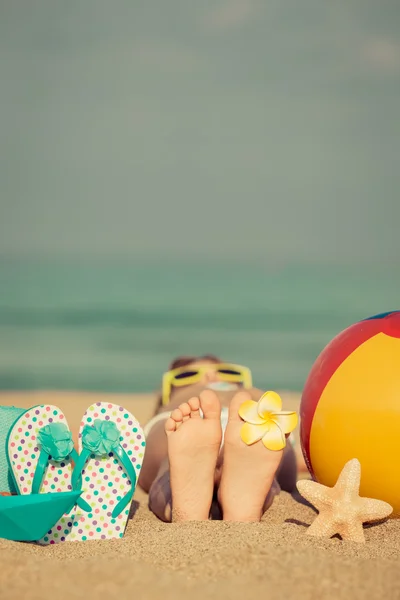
{"x": 341, "y": 509}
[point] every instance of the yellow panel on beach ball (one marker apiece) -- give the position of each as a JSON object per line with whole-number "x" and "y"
{"x": 358, "y": 416}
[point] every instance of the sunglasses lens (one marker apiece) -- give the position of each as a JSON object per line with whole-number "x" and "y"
{"x": 229, "y": 372}
{"x": 186, "y": 374}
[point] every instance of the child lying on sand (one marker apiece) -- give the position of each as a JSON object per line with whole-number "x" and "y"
{"x": 191, "y": 461}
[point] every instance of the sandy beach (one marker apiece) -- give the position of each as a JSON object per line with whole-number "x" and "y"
{"x": 274, "y": 558}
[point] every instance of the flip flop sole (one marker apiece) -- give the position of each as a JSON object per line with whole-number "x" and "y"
{"x": 23, "y": 455}
{"x": 104, "y": 479}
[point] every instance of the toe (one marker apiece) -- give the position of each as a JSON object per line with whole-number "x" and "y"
{"x": 185, "y": 410}
{"x": 194, "y": 404}
{"x": 235, "y": 404}
{"x": 177, "y": 416}
{"x": 170, "y": 426}
{"x": 210, "y": 405}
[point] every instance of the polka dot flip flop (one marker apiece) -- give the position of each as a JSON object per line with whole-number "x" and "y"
{"x": 111, "y": 446}
{"x": 40, "y": 454}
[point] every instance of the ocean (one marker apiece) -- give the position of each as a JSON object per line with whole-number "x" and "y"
{"x": 109, "y": 326}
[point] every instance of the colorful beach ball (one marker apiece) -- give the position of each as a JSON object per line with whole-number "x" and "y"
{"x": 350, "y": 408}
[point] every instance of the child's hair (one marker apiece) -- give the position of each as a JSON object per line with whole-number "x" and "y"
{"x": 184, "y": 361}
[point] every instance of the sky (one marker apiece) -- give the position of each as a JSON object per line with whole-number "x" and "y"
{"x": 215, "y": 129}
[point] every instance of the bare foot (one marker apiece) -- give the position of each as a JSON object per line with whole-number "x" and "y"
{"x": 248, "y": 471}
{"x": 193, "y": 447}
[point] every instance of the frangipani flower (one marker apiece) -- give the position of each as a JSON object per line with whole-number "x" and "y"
{"x": 266, "y": 421}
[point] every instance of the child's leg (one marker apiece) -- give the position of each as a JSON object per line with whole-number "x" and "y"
{"x": 286, "y": 474}
{"x": 194, "y": 442}
{"x": 185, "y": 478}
{"x": 155, "y": 455}
{"x": 160, "y": 496}
{"x": 248, "y": 472}
{"x": 193, "y": 455}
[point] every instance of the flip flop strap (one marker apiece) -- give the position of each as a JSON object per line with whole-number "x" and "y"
{"x": 130, "y": 470}
{"x": 76, "y": 480}
{"x": 41, "y": 468}
{"x": 39, "y": 471}
{"x": 56, "y": 443}
{"x": 127, "y": 464}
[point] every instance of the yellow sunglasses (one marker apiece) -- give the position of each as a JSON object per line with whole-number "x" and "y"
{"x": 188, "y": 375}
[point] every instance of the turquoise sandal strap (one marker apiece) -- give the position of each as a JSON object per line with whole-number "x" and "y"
{"x": 79, "y": 466}
{"x": 76, "y": 480}
{"x": 127, "y": 463}
{"x": 41, "y": 468}
{"x": 101, "y": 439}
{"x": 55, "y": 440}
{"x": 39, "y": 471}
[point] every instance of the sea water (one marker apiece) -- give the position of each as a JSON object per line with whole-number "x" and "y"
{"x": 109, "y": 326}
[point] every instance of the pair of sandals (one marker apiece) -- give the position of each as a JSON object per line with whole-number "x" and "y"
{"x": 102, "y": 478}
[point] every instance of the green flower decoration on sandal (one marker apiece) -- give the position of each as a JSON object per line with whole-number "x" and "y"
{"x": 56, "y": 440}
{"x": 101, "y": 438}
